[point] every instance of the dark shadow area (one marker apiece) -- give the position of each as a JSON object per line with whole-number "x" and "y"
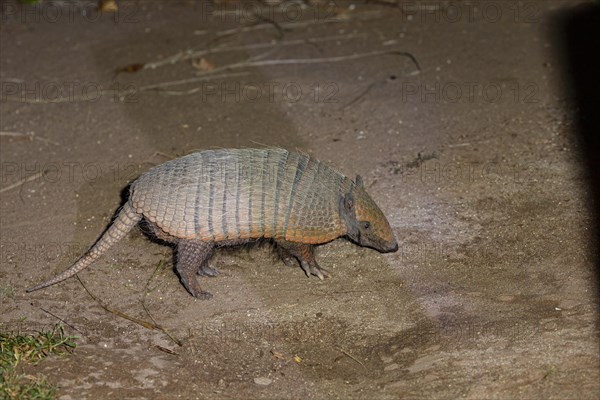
{"x": 578, "y": 32}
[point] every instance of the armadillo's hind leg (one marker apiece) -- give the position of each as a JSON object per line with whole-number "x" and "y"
{"x": 192, "y": 255}
{"x": 305, "y": 253}
{"x": 205, "y": 270}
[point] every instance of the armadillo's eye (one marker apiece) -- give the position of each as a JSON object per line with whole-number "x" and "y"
{"x": 366, "y": 225}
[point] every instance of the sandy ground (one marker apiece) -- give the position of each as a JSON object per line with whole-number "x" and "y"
{"x": 475, "y": 159}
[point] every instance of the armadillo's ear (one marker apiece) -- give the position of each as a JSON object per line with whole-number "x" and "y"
{"x": 359, "y": 182}
{"x": 349, "y": 216}
{"x": 349, "y": 203}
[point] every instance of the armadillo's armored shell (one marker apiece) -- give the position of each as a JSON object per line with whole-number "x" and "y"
{"x": 220, "y": 195}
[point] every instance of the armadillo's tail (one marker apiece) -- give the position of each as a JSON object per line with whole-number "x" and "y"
{"x": 124, "y": 222}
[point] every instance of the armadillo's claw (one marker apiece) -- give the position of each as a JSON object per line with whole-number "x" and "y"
{"x": 303, "y": 253}
{"x": 319, "y": 272}
{"x": 314, "y": 269}
{"x": 195, "y": 290}
{"x": 306, "y": 268}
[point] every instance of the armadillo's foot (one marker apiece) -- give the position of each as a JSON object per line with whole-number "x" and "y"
{"x": 189, "y": 255}
{"x": 306, "y": 255}
{"x": 314, "y": 269}
{"x": 199, "y": 293}
{"x": 193, "y": 287}
{"x": 205, "y": 270}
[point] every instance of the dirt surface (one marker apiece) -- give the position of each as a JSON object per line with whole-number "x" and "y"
{"x": 475, "y": 159}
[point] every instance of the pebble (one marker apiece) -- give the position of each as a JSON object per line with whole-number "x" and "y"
{"x": 567, "y": 304}
{"x": 386, "y": 359}
{"x": 263, "y": 381}
{"x": 391, "y": 367}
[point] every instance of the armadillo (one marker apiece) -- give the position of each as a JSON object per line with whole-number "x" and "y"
{"x": 230, "y": 197}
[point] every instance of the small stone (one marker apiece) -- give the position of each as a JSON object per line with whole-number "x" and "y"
{"x": 391, "y": 367}
{"x": 263, "y": 381}
{"x": 567, "y": 304}
{"x": 386, "y": 359}
{"x": 506, "y": 297}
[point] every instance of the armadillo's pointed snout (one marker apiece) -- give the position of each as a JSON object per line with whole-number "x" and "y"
{"x": 390, "y": 247}
{"x": 384, "y": 247}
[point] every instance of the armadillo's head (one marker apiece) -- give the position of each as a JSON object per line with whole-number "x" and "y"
{"x": 367, "y": 226}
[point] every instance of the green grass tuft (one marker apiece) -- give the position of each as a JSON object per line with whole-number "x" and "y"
{"x": 17, "y": 350}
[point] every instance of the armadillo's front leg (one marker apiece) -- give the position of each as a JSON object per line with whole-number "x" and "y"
{"x": 286, "y": 256}
{"x": 191, "y": 258}
{"x": 306, "y": 255}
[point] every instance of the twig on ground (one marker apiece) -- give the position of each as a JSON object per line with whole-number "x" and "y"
{"x": 252, "y": 62}
{"x": 118, "y": 313}
{"x": 148, "y": 325}
{"x": 176, "y": 341}
{"x": 158, "y": 86}
{"x": 364, "y": 16}
{"x": 147, "y": 289}
{"x": 320, "y": 60}
{"x": 348, "y": 354}
{"x": 168, "y": 351}
{"x": 60, "y": 319}
{"x": 191, "y": 54}
{"x": 30, "y": 136}
{"x": 360, "y": 95}
{"x": 23, "y": 181}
